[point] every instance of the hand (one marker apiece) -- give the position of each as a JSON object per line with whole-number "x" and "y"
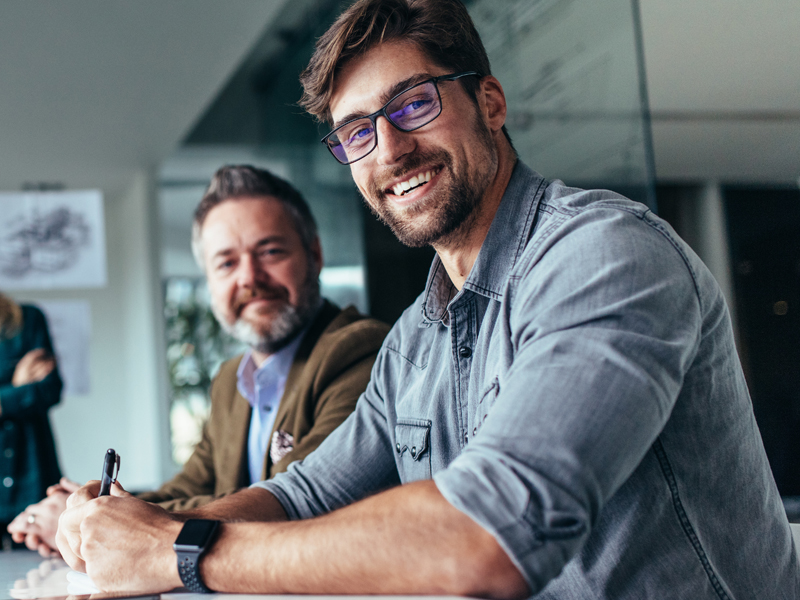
{"x": 37, "y": 524}
{"x": 33, "y": 367}
{"x": 121, "y": 542}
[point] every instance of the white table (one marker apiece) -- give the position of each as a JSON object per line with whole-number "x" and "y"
{"x": 24, "y": 575}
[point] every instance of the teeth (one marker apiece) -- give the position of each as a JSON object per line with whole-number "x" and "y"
{"x": 400, "y": 188}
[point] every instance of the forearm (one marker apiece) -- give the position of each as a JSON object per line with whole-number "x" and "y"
{"x": 31, "y": 399}
{"x": 408, "y": 540}
{"x": 249, "y": 504}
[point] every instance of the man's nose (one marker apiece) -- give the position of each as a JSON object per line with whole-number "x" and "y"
{"x": 393, "y": 144}
{"x": 249, "y": 273}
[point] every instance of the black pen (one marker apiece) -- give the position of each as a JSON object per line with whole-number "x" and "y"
{"x": 109, "y": 461}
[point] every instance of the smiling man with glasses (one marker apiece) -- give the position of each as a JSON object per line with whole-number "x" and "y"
{"x": 561, "y": 412}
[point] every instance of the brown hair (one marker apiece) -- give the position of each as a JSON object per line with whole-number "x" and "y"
{"x": 10, "y": 317}
{"x": 242, "y": 181}
{"x": 442, "y": 29}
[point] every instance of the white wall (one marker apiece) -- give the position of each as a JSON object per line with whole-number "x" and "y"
{"x": 126, "y": 408}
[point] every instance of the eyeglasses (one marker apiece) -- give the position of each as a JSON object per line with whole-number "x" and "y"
{"x": 409, "y": 110}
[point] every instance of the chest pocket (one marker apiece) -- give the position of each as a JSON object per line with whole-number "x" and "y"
{"x": 412, "y": 447}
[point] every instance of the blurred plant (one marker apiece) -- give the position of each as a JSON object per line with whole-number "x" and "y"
{"x": 196, "y": 347}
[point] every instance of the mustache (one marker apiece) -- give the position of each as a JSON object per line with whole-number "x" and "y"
{"x": 415, "y": 161}
{"x": 259, "y": 292}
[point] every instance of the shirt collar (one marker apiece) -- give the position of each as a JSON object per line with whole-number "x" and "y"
{"x": 275, "y": 368}
{"x": 506, "y": 240}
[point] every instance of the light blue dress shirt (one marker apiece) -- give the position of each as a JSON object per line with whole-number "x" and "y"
{"x": 263, "y": 388}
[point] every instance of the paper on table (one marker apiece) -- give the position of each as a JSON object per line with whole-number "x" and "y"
{"x": 80, "y": 584}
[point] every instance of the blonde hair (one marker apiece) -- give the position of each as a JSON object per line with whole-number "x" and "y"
{"x": 10, "y": 317}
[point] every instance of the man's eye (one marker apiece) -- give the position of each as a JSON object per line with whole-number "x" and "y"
{"x": 359, "y": 135}
{"x": 271, "y": 252}
{"x": 411, "y": 109}
{"x": 415, "y": 105}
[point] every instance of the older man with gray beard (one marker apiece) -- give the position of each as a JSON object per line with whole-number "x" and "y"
{"x": 307, "y": 362}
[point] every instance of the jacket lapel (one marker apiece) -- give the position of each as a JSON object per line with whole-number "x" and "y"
{"x": 326, "y": 314}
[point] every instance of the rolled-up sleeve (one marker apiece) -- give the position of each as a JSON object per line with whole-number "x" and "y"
{"x": 604, "y": 320}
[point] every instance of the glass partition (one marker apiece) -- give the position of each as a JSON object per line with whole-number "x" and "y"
{"x": 573, "y": 74}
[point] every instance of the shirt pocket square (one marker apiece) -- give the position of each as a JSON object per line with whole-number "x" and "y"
{"x": 282, "y": 444}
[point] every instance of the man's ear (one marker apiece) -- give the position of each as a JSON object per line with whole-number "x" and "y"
{"x": 316, "y": 253}
{"x": 493, "y": 103}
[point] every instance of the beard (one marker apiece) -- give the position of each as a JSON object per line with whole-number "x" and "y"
{"x": 283, "y": 326}
{"x": 449, "y": 209}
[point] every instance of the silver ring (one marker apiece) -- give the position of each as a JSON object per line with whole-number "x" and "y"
{"x": 31, "y": 519}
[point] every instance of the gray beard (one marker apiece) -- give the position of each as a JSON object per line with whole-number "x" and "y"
{"x": 283, "y": 328}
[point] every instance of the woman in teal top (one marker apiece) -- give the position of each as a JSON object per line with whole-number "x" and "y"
{"x": 29, "y": 386}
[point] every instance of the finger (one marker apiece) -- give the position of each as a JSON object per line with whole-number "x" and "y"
{"x": 46, "y": 551}
{"x": 18, "y": 537}
{"x": 54, "y": 489}
{"x": 32, "y": 541}
{"x": 69, "y": 485}
{"x": 84, "y": 494}
{"x": 46, "y": 365}
{"x": 65, "y": 544}
{"x": 18, "y": 524}
{"x": 118, "y": 490}
{"x": 36, "y": 354}
{"x": 40, "y": 370}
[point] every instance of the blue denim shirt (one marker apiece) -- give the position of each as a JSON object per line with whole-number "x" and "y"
{"x": 581, "y": 398}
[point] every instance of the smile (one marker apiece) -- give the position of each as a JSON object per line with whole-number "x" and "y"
{"x": 413, "y": 183}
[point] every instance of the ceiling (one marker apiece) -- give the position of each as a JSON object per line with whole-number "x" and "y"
{"x": 724, "y": 84}
{"x": 92, "y": 91}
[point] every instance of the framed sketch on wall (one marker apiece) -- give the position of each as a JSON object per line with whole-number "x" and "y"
{"x": 52, "y": 240}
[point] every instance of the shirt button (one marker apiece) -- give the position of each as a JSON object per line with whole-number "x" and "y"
{"x": 398, "y": 448}
{"x": 466, "y": 437}
{"x": 414, "y": 452}
{"x": 9, "y": 452}
{"x": 474, "y": 431}
{"x": 8, "y": 482}
{"x": 8, "y": 426}
{"x": 465, "y": 351}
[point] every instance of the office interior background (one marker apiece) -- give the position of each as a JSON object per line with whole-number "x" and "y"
{"x": 691, "y": 106}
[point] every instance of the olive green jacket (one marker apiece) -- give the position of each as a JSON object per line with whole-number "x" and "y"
{"x": 330, "y": 370}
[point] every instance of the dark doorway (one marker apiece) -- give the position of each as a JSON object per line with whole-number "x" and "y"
{"x": 764, "y": 227}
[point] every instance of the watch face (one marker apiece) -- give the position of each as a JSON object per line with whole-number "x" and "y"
{"x": 196, "y": 532}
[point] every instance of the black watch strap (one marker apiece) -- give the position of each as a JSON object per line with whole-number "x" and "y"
{"x": 190, "y": 573}
{"x": 195, "y": 538}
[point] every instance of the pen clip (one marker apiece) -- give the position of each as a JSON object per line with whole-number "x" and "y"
{"x": 116, "y": 468}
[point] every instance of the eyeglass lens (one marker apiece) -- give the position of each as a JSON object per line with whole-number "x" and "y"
{"x": 412, "y": 109}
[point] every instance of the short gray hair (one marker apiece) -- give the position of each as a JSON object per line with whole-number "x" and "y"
{"x": 245, "y": 181}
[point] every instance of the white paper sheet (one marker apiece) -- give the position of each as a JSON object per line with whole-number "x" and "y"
{"x": 70, "y": 325}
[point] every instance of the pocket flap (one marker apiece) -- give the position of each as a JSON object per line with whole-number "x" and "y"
{"x": 412, "y": 436}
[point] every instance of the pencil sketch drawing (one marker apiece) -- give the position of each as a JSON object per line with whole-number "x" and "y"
{"x": 43, "y": 242}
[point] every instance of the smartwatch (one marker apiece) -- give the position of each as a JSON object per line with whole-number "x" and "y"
{"x": 195, "y": 537}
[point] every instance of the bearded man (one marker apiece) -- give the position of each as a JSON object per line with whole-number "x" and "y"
{"x": 307, "y": 363}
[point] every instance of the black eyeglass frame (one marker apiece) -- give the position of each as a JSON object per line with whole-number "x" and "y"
{"x": 382, "y": 113}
